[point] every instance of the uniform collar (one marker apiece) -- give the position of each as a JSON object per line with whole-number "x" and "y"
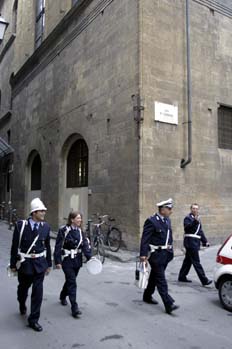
{"x": 162, "y": 218}
{"x": 32, "y": 223}
{"x": 75, "y": 228}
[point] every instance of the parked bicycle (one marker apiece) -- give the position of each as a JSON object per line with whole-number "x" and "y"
{"x": 113, "y": 237}
{"x": 8, "y": 213}
{"x": 2, "y": 210}
{"x": 11, "y": 215}
{"x": 93, "y": 232}
{"x": 100, "y": 237}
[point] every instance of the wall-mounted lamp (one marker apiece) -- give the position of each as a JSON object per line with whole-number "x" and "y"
{"x": 3, "y": 25}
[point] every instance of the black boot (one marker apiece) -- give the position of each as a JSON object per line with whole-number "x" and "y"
{"x": 170, "y": 308}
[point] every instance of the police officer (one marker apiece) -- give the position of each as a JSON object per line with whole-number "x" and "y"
{"x": 157, "y": 239}
{"x": 70, "y": 244}
{"x": 31, "y": 253}
{"x": 193, "y": 237}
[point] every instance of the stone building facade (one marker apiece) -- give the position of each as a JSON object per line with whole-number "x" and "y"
{"x": 82, "y": 83}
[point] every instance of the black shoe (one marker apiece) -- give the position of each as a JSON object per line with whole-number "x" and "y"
{"x": 63, "y": 302}
{"x": 209, "y": 282}
{"x": 36, "y": 326}
{"x": 150, "y": 300}
{"x": 184, "y": 280}
{"x": 76, "y": 313}
{"x": 22, "y": 309}
{"x": 170, "y": 308}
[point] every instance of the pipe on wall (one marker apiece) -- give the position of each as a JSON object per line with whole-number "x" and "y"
{"x": 184, "y": 162}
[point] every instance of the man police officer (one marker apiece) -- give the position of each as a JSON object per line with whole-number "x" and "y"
{"x": 157, "y": 239}
{"x": 193, "y": 237}
{"x": 31, "y": 256}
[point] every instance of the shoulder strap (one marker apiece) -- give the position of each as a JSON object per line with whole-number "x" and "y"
{"x": 21, "y": 233}
{"x": 33, "y": 243}
{"x": 198, "y": 228}
{"x": 81, "y": 239}
{"x": 67, "y": 230}
{"x": 168, "y": 234}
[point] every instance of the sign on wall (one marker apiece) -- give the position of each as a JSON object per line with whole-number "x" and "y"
{"x": 166, "y": 113}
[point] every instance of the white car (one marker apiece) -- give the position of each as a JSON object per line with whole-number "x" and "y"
{"x": 223, "y": 274}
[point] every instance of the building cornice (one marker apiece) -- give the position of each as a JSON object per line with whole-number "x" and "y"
{"x": 5, "y": 118}
{"x": 7, "y": 46}
{"x": 216, "y": 6}
{"x": 54, "y": 44}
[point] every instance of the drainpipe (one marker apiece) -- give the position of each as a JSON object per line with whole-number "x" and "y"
{"x": 184, "y": 162}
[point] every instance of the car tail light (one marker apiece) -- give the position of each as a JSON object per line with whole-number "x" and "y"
{"x": 223, "y": 260}
{"x": 223, "y": 245}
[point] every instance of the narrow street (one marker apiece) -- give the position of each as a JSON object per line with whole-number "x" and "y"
{"x": 113, "y": 314}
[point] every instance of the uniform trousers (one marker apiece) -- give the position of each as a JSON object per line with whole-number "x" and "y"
{"x": 192, "y": 258}
{"x": 158, "y": 262}
{"x": 70, "y": 286}
{"x": 25, "y": 282}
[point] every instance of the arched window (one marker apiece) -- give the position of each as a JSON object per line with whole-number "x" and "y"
{"x": 77, "y": 165}
{"x": 36, "y": 173}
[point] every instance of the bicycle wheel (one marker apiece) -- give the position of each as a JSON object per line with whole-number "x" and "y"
{"x": 114, "y": 239}
{"x": 99, "y": 250}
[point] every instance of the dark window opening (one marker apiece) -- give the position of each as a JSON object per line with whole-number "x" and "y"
{"x": 36, "y": 173}
{"x": 7, "y": 175}
{"x": 8, "y": 136}
{"x": 8, "y": 182}
{"x": 77, "y": 165}
{"x": 225, "y": 127}
{"x": 39, "y": 22}
{"x": 14, "y": 16}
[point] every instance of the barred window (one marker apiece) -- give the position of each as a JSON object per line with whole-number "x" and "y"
{"x": 39, "y": 22}
{"x": 36, "y": 173}
{"x": 77, "y": 165}
{"x": 225, "y": 127}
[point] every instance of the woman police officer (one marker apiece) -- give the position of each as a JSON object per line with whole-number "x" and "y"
{"x": 70, "y": 244}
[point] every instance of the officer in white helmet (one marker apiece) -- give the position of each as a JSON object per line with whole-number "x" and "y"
{"x": 157, "y": 241}
{"x": 31, "y": 257}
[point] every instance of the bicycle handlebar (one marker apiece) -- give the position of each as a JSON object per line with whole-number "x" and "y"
{"x": 98, "y": 224}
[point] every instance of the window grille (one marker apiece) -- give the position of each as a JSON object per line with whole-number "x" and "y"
{"x": 225, "y": 127}
{"x": 77, "y": 165}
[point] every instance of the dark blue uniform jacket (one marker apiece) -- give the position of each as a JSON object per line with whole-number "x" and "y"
{"x": 31, "y": 265}
{"x": 155, "y": 233}
{"x": 191, "y": 225}
{"x": 71, "y": 242}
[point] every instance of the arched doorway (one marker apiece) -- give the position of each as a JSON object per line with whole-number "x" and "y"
{"x": 74, "y": 177}
{"x": 33, "y": 177}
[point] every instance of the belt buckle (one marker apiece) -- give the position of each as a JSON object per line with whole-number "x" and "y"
{"x": 159, "y": 248}
{"x": 33, "y": 256}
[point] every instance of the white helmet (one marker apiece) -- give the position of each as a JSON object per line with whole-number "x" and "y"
{"x": 37, "y": 205}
